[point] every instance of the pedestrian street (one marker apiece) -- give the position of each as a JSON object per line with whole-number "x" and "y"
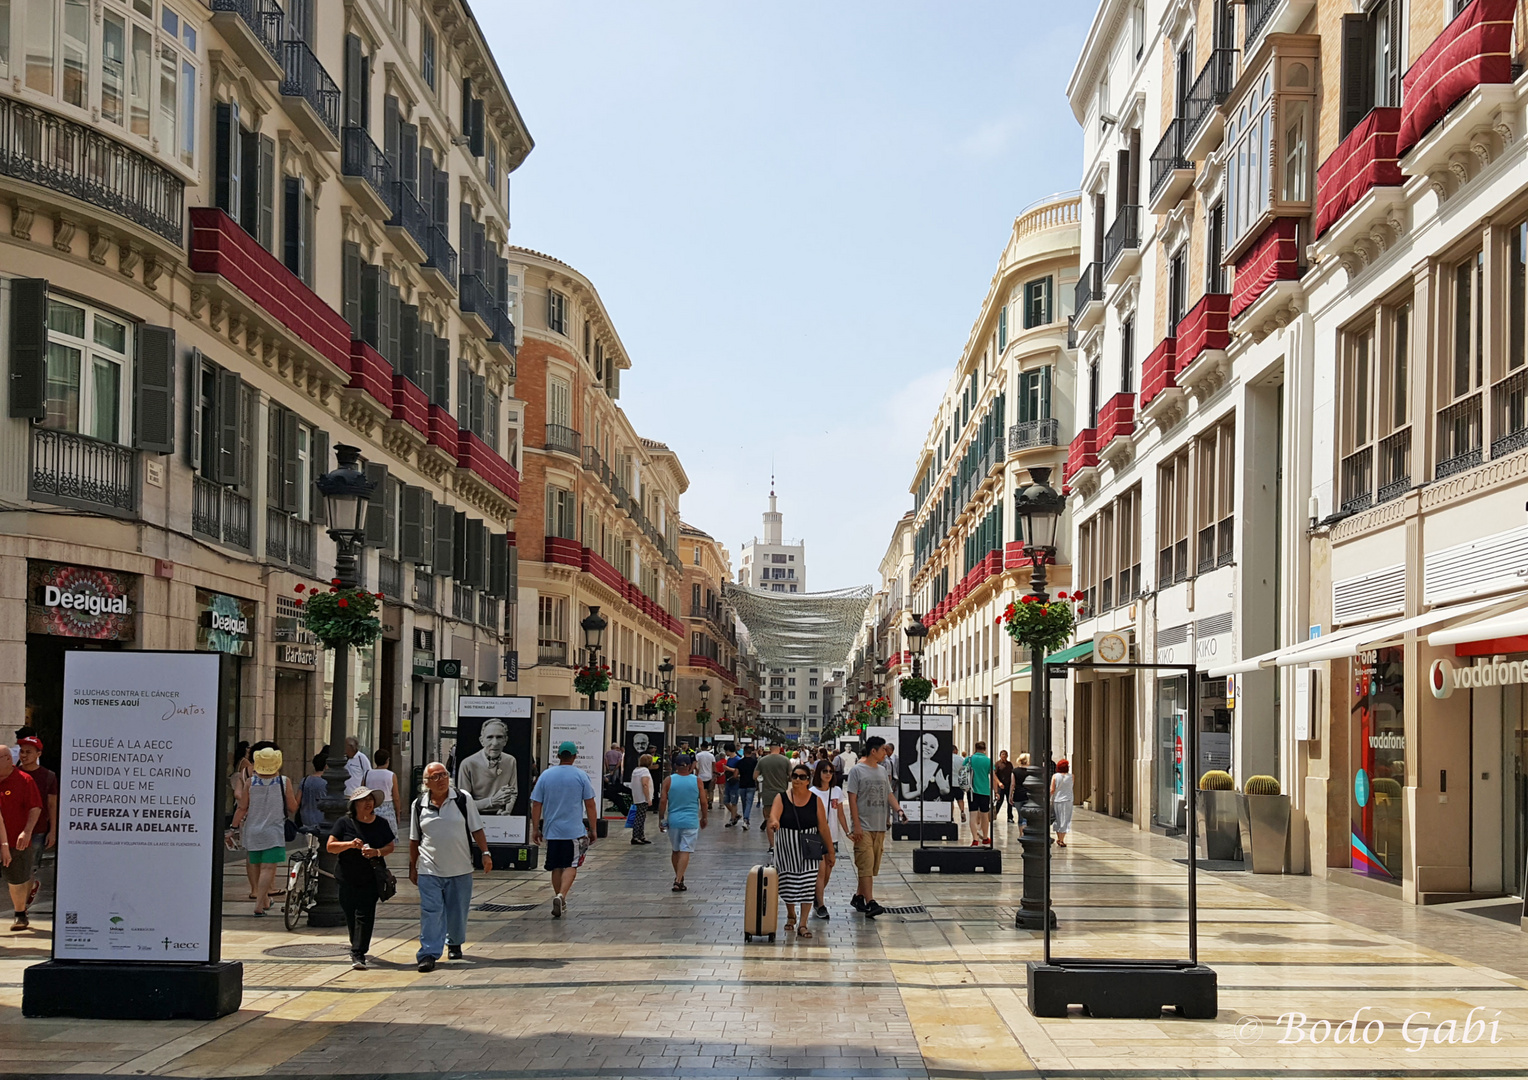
{"x": 637, "y": 981}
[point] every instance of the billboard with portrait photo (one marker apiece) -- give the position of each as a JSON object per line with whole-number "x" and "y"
{"x": 924, "y": 767}
{"x": 493, "y": 753}
{"x": 644, "y": 737}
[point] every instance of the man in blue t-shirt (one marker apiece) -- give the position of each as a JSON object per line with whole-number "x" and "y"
{"x": 562, "y": 815}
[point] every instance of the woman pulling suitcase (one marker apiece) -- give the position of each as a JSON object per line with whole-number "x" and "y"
{"x": 798, "y": 834}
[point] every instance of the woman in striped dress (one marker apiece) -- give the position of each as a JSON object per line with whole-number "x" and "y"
{"x": 796, "y": 816}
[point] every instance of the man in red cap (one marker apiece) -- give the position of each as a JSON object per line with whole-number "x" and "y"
{"x": 20, "y": 807}
{"x": 47, "y": 787}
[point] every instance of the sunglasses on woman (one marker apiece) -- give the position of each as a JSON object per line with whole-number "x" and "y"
{"x": 801, "y": 776}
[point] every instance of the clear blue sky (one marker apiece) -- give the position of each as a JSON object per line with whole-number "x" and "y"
{"x": 792, "y": 212}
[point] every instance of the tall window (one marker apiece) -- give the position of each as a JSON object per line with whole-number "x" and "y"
{"x": 1093, "y": 395}
{"x": 556, "y": 312}
{"x": 1127, "y": 516}
{"x": 1034, "y": 395}
{"x": 1177, "y": 289}
{"x": 1172, "y": 520}
{"x": 1375, "y": 419}
{"x": 1127, "y": 355}
{"x": 1216, "y": 451}
{"x": 1268, "y": 139}
{"x": 1037, "y": 303}
{"x": 1002, "y": 328}
{"x": 89, "y": 383}
{"x": 1459, "y": 423}
{"x": 1215, "y": 250}
{"x": 561, "y": 514}
{"x": 559, "y": 403}
{"x": 427, "y": 53}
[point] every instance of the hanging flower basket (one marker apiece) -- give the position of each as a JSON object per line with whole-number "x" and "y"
{"x": 592, "y": 679}
{"x": 1046, "y": 625}
{"x": 702, "y": 716}
{"x": 664, "y": 702}
{"x": 879, "y": 708}
{"x": 915, "y": 688}
{"x": 341, "y": 616}
{"x": 724, "y": 726}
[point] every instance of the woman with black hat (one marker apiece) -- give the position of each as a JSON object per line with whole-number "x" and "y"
{"x": 358, "y": 839}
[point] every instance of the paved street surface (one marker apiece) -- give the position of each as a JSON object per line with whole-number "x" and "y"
{"x": 641, "y": 982}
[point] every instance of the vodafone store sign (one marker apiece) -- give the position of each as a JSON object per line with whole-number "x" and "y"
{"x": 1443, "y": 678}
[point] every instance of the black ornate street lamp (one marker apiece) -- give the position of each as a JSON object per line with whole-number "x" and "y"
{"x": 347, "y": 495}
{"x": 666, "y": 673}
{"x": 593, "y": 625}
{"x": 705, "y": 707}
{"x": 1038, "y": 508}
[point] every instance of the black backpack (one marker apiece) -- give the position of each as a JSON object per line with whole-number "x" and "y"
{"x": 461, "y": 807}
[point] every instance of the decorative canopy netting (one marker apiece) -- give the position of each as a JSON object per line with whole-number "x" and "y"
{"x": 812, "y": 629}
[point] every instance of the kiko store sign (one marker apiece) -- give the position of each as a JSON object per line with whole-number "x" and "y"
{"x": 1444, "y": 677}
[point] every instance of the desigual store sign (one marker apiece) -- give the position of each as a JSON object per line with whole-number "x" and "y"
{"x": 226, "y": 624}
{"x": 1445, "y": 677}
{"x": 81, "y": 602}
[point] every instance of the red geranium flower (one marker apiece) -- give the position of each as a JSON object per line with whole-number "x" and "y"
{"x": 298, "y": 603}
{"x": 300, "y": 587}
{"x": 334, "y": 581}
{"x": 344, "y": 603}
{"x": 1027, "y": 599}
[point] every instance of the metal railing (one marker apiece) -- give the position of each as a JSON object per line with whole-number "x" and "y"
{"x": 1090, "y": 286}
{"x": 1394, "y": 465}
{"x": 219, "y": 513}
{"x": 1031, "y": 433}
{"x": 552, "y": 652}
{"x": 76, "y": 470}
{"x": 58, "y": 154}
{"x": 1123, "y": 235}
{"x": 564, "y": 439}
{"x": 1509, "y": 414}
{"x": 1458, "y": 437}
{"x": 408, "y": 213}
{"x": 1168, "y": 157}
{"x": 1357, "y": 475}
{"x": 306, "y": 78}
{"x": 488, "y": 611}
{"x": 390, "y": 577}
{"x": 473, "y": 295}
{"x": 263, "y": 17}
{"x": 463, "y": 602}
{"x": 440, "y": 255}
{"x": 1255, "y": 15}
{"x": 1209, "y": 91}
{"x": 424, "y": 588}
{"x": 361, "y": 156}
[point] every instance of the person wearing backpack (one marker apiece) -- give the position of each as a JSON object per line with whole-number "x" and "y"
{"x": 443, "y": 827}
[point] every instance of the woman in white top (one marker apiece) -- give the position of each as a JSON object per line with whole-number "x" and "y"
{"x": 832, "y": 797}
{"x": 1061, "y": 800}
{"x": 641, "y": 798}
{"x": 384, "y": 784}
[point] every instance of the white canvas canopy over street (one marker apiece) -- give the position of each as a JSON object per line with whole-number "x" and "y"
{"x": 812, "y": 629}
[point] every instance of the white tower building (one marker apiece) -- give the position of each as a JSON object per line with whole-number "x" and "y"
{"x": 772, "y": 564}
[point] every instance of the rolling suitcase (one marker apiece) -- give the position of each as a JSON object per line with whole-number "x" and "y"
{"x": 761, "y": 903}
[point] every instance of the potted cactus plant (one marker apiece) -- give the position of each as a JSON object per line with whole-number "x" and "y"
{"x": 1217, "y": 813}
{"x": 1263, "y": 812}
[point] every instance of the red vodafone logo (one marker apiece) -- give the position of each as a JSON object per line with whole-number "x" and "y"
{"x": 1440, "y": 678}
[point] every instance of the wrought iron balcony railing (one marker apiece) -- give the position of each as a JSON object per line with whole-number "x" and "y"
{"x": 564, "y": 439}
{"x": 76, "y": 470}
{"x": 1090, "y": 286}
{"x": 361, "y": 156}
{"x": 390, "y": 577}
{"x": 306, "y": 78}
{"x": 409, "y": 213}
{"x": 288, "y": 538}
{"x": 1255, "y": 15}
{"x": 58, "y": 154}
{"x": 1209, "y": 91}
{"x": 1458, "y": 438}
{"x": 440, "y": 255}
{"x": 1168, "y": 157}
{"x": 263, "y": 17}
{"x": 1357, "y": 475}
{"x": 1031, "y": 433}
{"x": 220, "y": 513}
{"x": 1509, "y": 404}
{"x": 1394, "y": 465}
{"x": 424, "y": 588}
{"x": 1124, "y": 235}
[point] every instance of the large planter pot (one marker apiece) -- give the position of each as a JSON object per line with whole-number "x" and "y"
{"x": 1264, "y": 821}
{"x": 1219, "y": 831}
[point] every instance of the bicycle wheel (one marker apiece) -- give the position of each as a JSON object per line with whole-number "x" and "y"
{"x": 297, "y": 895}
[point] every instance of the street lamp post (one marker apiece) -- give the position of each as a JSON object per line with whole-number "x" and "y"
{"x": 705, "y": 706}
{"x": 347, "y": 494}
{"x": 593, "y": 625}
{"x": 1038, "y": 508}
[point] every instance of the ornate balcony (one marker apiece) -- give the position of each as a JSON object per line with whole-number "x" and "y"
{"x": 564, "y": 440}
{"x": 1458, "y": 437}
{"x": 76, "y": 470}
{"x": 61, "y": 156}
{"x": 1365, "y": 159}
{"x": 1357, "y": 478}
{"x": 1394, "y": 465}
{"x": 1116, "y": 427}
{"x": 475, "y": 301}
{"x": 475, "y": 455}
{"x": 220, "y": 514}
{"x": 1509, "y": 414}
{"x": 363, "y": 168}
{"x": 1203, "y": 336}
{"x": 312, "y": 98}
{"x": 1202, "y": 121}
{"x": 1122, "y": 246}
{"x": 288, "y": 539}
{"x": 1273, "y": 256}
{"x": 408, "y": 224}
{"x": 1081, "y": 456}
{"x": 1474, "y": 49}
{"x": 440, "y": 260}
{"x": 252, "y": 29}
{"x": 1159, "y": 373}
{"x": 1090, "y": 292}
{"x": 1033, "y": 434}
{"x": 1171, "y": 170}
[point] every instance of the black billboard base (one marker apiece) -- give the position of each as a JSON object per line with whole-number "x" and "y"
{"x": 131, "y": 991}
{"x": 958, "y": 860}
{"x": 1123, "y": 989}
{"x": 925, "y": 830}
{"x": 509, "y": 857}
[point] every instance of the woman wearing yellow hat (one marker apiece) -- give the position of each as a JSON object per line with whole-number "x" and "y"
{"x": 264, "y": 805}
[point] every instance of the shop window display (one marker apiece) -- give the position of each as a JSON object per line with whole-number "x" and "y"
{"x": 1378, "y": 714}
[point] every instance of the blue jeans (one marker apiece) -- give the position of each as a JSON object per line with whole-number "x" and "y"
{"x": 443, "y": 904}
{"x": 748, "y": 794}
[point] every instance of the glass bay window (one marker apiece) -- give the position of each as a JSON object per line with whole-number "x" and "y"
{"x": 1269, "y": 139}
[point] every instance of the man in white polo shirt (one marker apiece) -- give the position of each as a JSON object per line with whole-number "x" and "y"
{"x": 705, "y": 768}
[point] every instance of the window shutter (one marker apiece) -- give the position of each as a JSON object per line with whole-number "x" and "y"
{"x": 512, "y": 571}
{"x": 228, "y": 427}
{"x": 318, "y": 455}
{"x": 408, "y": 154}
{"x": 376, "y": 514}
{"x": 1045, "y": 394}
{"x": 273, "y": 456}
{"x": 392, "y": 135}
{"x": 228, "y": 149}
{"x": 491, "y": 420}
{"x": 392, "y": 497}
{"x": 1048, "y": 317}
{"x": 478, "y": 404}
{"x": 155, "y": 404}
{"x": 411, "y": 520}
{"x": 1133, "y": 161}
{"x": 498, "y": 564}
{"x": 394, "y": 324}
{"x": 291, "y": 225}
{"x": 351, "y": 273}
{"x": 464, "y": 238}
{"x": 501, "y": 287}
{"x": 480, "y": 261}
{"x": 443, "y": 199}
{"x": 29, "y": 348}
{"x": 194, "y": 411}
{"x": 427, "y": 182}
{"x": 458, "y": 560}
{"x": 1357, "y": 72}
{"x": 445, "y": 539}
{"x": 354, "y": 80}
{"x": 442, "y": 394}
{"x": 427, "y": 531}
{"x": 305, "y": 239}
{"x": 291, "y": 475}
{"x": 371, "y": 304}
{"x": 477, "y": 553}
{"x": 248, "y": 211}
{"x": 408, "y": 342}
{"x": 426, "y": 358}
{"x": 265, "y": 230}
{"x": 463, "y": 395}
{"x": 475, "y": 136}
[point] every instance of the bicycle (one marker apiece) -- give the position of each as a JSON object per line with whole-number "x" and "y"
{"x": 302, "y": 883}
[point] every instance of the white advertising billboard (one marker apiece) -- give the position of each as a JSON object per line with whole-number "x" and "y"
{"x": 586, "y": 730}
{"x": 138, "y": 812}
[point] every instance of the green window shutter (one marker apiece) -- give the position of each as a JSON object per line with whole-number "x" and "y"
{"x": 155, "y": 404}
{"x": 394, "y": 325}
{"x": 442, "y": 392}
{"x": 354, "y": 72}
{"x": 512, "y": 576}
{"x": 194, "y": 412}
{"x": 476, "y": 554}
{"x": 273, "y": 456}
{"x": 266, "y": 227}
{"x": 319, "y": 457}
{"x": 458, "y": 561}
{"x": 1047, "y": 301}
{"x": 445, "y": 539}
{"x": 426, "y": 358}
{"x": 376, "y": 514}
{"x": 228, "y": 428}
{"x": 248, "y": 210}
{"x": 411, "y": 521}
{"x": 291, "y": 475}
{"x": 351, "y": 287}
{"x": 1045, "y": 393}
{"x": 228, "y": 152}
{"x": 372, "y": 304}
{"x": 408, "y": 342}
{"x": 29, "y": 348}
{"x": 498, "y": 564}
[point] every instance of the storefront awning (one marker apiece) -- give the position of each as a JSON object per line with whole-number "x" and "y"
{"x": 1076, "y": 652}
{"x": 1351, "y": 641}
{"x": 1511, "y": 624}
